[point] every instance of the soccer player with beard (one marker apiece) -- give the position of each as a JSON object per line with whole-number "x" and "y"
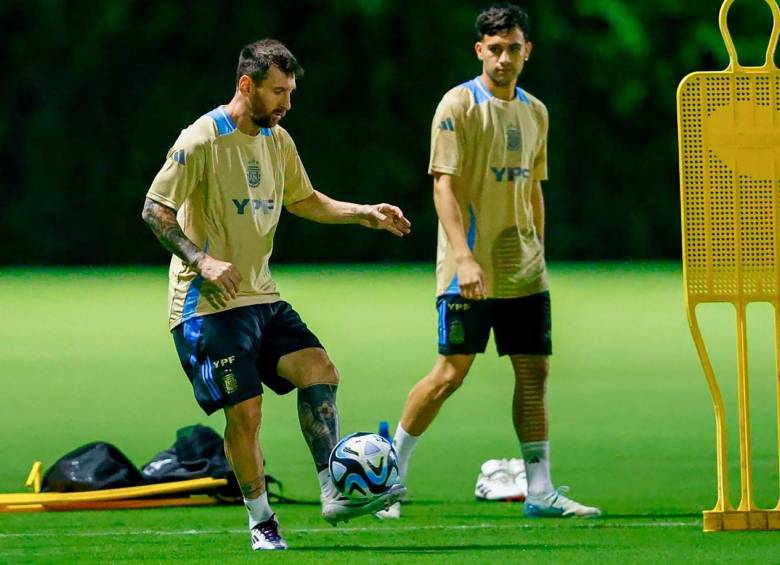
{"x": 488, "y": 161}
{"x": 215, "y": 205}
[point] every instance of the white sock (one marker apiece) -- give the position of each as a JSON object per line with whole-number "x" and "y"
{"x": 404, "y": 445}
{"x": 327, "y": 488}
{"x": 537, "y": 466}
{"x": 258, "y": 509}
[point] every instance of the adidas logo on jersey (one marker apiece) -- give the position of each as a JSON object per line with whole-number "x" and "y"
{"x": 180, "y": 157}
{"x": 447, "y": 125}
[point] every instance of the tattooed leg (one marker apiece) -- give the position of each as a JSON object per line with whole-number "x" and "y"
{"x": 319, "y": 420}
{"x": 316, "y": 378}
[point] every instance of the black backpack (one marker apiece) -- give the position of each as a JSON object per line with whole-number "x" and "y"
{"x": 197, "y": 452}
{"x": 94, "y": 466}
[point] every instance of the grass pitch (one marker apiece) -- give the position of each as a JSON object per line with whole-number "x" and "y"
{"x": 86, "y": 356}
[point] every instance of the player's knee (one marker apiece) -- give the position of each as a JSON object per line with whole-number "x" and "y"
{"x": 244, "y": 418}
{"x": 449, "y": 378}
{"x": 323, "y": 371}
{"x": 328, "y": 374}
{"x": 308, "y": 367}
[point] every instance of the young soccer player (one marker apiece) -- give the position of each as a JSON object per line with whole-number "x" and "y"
{"x": 215, "y": 205}
{"x": 488, "y": 161}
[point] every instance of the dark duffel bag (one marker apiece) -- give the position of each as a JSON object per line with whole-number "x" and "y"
{"x": 94, "y": 466}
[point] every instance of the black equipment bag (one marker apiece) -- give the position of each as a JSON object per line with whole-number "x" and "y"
{"x": 94, "y": 466}
{"x": 198, "y": 452}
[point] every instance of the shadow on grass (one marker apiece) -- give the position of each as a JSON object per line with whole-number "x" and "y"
{"x": 603, "y": 518}
{"x": 655, "y": 515}
{"x": 446, "y": 548}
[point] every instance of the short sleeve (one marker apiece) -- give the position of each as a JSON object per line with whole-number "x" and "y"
{"x": 181, "y": 173}
{"x": 540, "y": 159}
{"x": 447, "y": 138}
{"x": 297, "y": 185}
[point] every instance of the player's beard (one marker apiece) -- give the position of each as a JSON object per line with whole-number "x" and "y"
{"x": 266, "y": 121}
{"x": 260, "y": 116}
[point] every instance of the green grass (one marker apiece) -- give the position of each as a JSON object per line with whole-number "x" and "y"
{"x": 85, "y": 355}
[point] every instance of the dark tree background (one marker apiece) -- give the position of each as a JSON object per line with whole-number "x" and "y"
{"x": 94, "y": 93}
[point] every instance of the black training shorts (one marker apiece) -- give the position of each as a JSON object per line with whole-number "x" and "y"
{"x": 521, "y": 326}
{"x": 230, "y": 355}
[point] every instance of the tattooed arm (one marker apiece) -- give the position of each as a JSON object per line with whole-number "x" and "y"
{"x": 162, "y": 221}
{"x": 221, "y": 279}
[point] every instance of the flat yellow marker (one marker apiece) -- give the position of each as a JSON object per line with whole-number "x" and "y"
{"x": 133, "y": 503}
{"x": 61, "y": 498}
{"x": 729, "y": 144}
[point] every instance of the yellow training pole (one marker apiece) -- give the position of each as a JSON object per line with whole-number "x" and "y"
{"x": 723, "y": 502}
{"x": 35, "y": 477}
{"x": 743, "y": 389}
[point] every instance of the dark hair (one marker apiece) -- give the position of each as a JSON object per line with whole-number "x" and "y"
{"x": 502, "y": 17}
{"x": 256, "y": 58}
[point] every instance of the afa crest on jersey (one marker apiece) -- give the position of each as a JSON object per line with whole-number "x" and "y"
{"x": 513, "y": 140}
{"x": 253, "y": 174}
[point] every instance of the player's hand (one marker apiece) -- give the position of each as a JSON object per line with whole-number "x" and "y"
{"x": 385, "y": 217}
{"x": 221, "y": 281}
{"x": 471, "y": 279}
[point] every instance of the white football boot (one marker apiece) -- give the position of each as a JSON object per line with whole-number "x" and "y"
{"x": 502, "y": 480}
{"x": 556, "y": 505}
{"x": 338, "y": 508}
{"x": 266, "y": 535}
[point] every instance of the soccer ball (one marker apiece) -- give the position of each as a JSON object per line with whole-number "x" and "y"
{"x": 363, "y": 465}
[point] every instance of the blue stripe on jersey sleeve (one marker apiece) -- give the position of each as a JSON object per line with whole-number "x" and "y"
{"x": 522, "y": 96}
{"x": 478, "y": 90}
{"x": 224, "y": 124}
{"x": 481, "y": 94}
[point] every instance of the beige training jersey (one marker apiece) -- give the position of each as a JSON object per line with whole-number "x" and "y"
{"x": 494, "y": 150}
{"x": 228, "y": 189}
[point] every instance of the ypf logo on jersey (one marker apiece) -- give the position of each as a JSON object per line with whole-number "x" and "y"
{"x": 510, "y": 174}
{"x": 513, "y": 140}
{"x": 253, "y": 174}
